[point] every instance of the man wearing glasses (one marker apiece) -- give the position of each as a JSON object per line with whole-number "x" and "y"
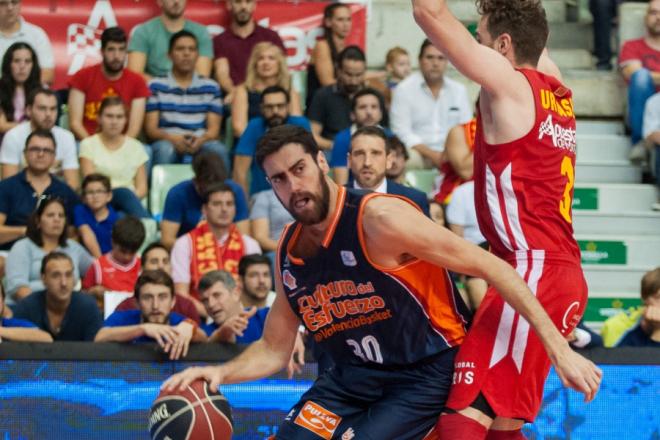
{"x": 274, "y": 112}
{"x": 20, "y": 193}
{"x": 14, "y": 29}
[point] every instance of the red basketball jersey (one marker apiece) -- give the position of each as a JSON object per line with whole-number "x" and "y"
{"x": 524, "y": 189}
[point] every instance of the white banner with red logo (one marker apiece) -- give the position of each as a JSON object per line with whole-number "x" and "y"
{"x": 74, "y": 26}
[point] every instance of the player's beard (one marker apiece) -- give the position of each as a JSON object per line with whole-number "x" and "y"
{"x": 321, "y": 204}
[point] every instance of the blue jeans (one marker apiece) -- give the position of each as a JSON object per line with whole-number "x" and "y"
{"x": 640, "y": 89}
{"x": 165, "y": 153}
{"x": 125, "y": 200}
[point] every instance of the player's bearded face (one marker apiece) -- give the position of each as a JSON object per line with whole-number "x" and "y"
{"x": 311, "y": 208}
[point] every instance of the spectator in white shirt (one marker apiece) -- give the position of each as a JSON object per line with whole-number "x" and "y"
{"x": 425, "y": 106}
{"x": 13, "y": 29}
{"x": 462, "y": 220}
{"x": 41, "y": 110}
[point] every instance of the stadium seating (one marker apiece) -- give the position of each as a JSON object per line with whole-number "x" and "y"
{"x": 423, "y": 180}
{"x": 164, "y": 177}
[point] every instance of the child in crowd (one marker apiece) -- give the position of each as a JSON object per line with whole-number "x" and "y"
{"x": 397, "y": 65}
{"x": 94, "y": 218}
{"x": 118, "y": 269}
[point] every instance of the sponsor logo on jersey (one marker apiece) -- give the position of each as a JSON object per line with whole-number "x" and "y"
{"x": 562, "y": 137}
{"x": 317, "y": 419}
{"x": 348, "y": 258}
{"x": 571, "y": 317}
{"x": 288, "y": 280}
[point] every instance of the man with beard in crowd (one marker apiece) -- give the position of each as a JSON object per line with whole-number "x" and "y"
{"x": 89, "y": 86}
{"x": 330, "y": 110}
{"x": 149, "y": 46}
{"x": 256, "y": 281}
{"x": 232, "y": 48}
{"x": 275, "y": 112}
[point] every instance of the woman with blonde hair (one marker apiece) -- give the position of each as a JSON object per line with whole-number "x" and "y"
{"x": 266, "y": 67}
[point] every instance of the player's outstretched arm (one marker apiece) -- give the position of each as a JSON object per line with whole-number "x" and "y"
{"x": 262, "y": 358}
{"x": 479, "y": 63}
{"x": 391, "y": 239}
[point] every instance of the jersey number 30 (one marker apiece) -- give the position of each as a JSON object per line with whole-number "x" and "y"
{"x": 368, "y": 350}
{"x": 565, "y": 202}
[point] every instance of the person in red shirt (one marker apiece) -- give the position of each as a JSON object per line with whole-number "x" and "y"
{"x": 117, "y": 270}
{"x": 639, "y": 62}
{"x": 232, "y": 48}
{"x": 90, "y": 85}
{"x": 524, "y": 161}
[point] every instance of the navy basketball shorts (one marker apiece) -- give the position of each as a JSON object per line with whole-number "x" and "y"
{"x": 360, "y": 402}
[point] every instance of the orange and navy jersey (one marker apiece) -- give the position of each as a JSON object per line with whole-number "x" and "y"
{"x": 359, "y": 312}
{"x": 523, "y": 189}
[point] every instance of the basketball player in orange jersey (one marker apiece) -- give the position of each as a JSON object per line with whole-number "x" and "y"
{"x": 364, "y": 272}
{"x": 524, "y": 173}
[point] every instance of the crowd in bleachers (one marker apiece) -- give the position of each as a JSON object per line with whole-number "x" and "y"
{"x": 74, "y": 241}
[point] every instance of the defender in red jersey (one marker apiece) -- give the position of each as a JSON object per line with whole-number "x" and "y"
{"x": 524, "y": 174}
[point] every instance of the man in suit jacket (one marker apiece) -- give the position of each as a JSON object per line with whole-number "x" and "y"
{"x": 368, "y": 160}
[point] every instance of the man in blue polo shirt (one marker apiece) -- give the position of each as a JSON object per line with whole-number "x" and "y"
{"x": 154, "y": 321}
{"x": 232, "y": 322}
{"x": 184, "y": 111}
{"x": 183, "y": 204}
{"x": 275, "y": 112}
{"x": 19, "y": 330}
{"x": 20, "y": 193}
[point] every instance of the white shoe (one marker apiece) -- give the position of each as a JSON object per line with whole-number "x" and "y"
{"x": 638, "y": 154}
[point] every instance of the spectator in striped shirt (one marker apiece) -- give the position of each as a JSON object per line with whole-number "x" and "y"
{"x": 184, "y": 112}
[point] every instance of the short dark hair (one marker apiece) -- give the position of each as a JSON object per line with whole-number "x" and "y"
{"x": 216, "y": 276}
{"x": 110, "y": 101}
{"x": 181, "y": 34}
{"x": 54, "y": 255}
{"x": 215, "y": 188}
{"x": 41, "y": 133}
{"x": 650, "y": 283}
{"x": 208, "y": 168}
{"x": 113, "y": 34}
{"x": 157, "y": 276}
{"x": 373, "y": 131}
{"x": 151, "y": 247}
{"x": 426, "y": 43}
{"x": 128, "y": 233}
{"x": 32, "y": 96}
{"x": 97, "y": 177}
{"x": 395, "y": 144}
{"x": 353, "y": 53}
{"x": 370, "y": 91}
{"x": 277, "y": 137}
{"x": 33, "y": 232}
{"x": 250, "y": 260}
{"x": 524, "y": 20}
{"x": 275, "y": 89}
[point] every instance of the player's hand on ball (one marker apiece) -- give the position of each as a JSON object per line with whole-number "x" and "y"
{"x": 212, "y": 375}
{"x": 579, "y": 373}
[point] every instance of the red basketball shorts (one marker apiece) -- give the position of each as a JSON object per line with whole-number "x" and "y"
{"x": 502, "y": 357}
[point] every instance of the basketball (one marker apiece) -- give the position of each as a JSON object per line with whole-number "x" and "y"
{"x": 196, "y": 413}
